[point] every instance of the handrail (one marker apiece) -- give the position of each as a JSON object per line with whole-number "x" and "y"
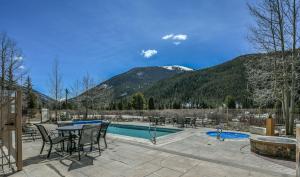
{"x": 152, "y": 136}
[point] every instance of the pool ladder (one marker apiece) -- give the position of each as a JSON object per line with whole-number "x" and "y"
{"x": 152, "y": 132}
{"x": 219, "y": 132}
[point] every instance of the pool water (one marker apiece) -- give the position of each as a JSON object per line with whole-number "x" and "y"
{"x": 138, "y": 131}
{"x": 228, "y": 135}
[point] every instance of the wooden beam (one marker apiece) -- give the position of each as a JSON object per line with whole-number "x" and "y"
{"x": 18, "y": 124}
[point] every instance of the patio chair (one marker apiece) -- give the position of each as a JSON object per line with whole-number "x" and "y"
{"x": 187, "y": 121}
{"x": 87, "y": 137}
{"x": 29, "y": 131}
{"x": 193, "y": 122}
{"x": 153, "y": 120}
{"x": 174, "y": 121}
{"x": 162, "y": 120}
{"x": 47, "y": 139}
{"x": 180, "y": 122}
{"x": 103, "y": 131}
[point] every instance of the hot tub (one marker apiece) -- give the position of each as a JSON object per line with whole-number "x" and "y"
{"x": 277, "y": 147}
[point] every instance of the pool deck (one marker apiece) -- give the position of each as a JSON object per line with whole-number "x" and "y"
{"x": 189, "y": 153}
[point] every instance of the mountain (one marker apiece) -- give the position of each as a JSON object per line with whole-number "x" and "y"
{"x": 205, "y": 87}
{"x": 132, "y": 81}
{"x": 44, "y": 99}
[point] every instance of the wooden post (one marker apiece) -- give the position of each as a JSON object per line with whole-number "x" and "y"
{"x": 270, "y": 126}
{"x": 18, "y": 124}
{"x": 298, "y": 150}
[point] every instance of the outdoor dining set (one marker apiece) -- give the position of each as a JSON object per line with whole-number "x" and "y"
{"x": 74, "y": 137}
{"x": 178, "y": 121}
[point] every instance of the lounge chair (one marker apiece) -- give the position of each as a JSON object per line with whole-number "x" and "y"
{"x": 47, "y": 139}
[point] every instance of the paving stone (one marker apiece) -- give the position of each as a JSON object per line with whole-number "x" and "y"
{"x": 166, "y": 172}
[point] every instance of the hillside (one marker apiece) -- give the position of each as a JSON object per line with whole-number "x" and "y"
{"x": 205, "y": 87}
{"x": 132, "y": 81}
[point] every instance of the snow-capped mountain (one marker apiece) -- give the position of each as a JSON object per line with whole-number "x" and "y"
{"x": 178, "y": 67}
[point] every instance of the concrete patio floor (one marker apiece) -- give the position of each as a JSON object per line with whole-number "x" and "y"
{"x": 190, "y": 153}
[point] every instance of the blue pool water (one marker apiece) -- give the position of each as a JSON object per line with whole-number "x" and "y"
{"x": 228, "y": 135}
{"x": 138, "y": 131}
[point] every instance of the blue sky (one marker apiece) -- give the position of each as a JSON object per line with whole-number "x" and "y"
{"x": 108, "y": 37}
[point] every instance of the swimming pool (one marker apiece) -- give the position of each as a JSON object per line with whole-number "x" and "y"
{"x": 228, "y": 135}
{"x": 86, "y": 122}
{"x": 138, "y": 131}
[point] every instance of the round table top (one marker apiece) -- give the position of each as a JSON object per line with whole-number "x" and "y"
{"x": 71, "y": 127}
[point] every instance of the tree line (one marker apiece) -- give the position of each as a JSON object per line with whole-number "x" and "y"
{"x": 276, "y": 32}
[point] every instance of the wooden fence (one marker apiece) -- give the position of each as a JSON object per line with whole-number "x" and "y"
{"x": 11, "y": 126}
{"x": 242, "y": 117}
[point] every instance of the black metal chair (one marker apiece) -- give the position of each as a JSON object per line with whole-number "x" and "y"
{"x": 152, "y": 120}
{"x": 162, "y": 120}
{"x": 47, "y": 139}
{"x": 88, "y": 135}
{"x": 187, "y": 121}
{"x": 103, "y": 131}
{"x": 29, "y": 131}
{"x": 193, "y": 122}
{"x": 180, "y": 122}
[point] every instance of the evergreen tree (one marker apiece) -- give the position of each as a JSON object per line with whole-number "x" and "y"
{"x": 151, "y": 104}
{"x": 120, "y": 105}
{"x": 176, "y": 105}
{"x": 138, "y": 101}
{"x": 31, "y": 98}
{"x": 230, "y": 102}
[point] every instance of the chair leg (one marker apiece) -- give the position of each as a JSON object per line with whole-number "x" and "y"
{"x": 105, "y": 142}
{"x": 49, "y": 151}
{"x": 42, "y": 148}
{"x": 63, "y": 145}
{"x": 2, "y": 164}
{"x": 79, "y": 149}
{"x": 99, "y": 148}
{"x": 91, "y": 148}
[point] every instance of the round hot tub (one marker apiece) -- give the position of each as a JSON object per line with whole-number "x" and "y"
{"x": 277, "y": 147}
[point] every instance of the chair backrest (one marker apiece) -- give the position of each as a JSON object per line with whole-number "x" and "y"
{"x": 43, "y": 132}
{"x": 188, "y": 120}
{"x": 180, "y": 120}
{"x": 104, "y": 127}
{"x": 162, "y": 119}
{"x": 88, "y": 134}
{"x": 193, "y": 122}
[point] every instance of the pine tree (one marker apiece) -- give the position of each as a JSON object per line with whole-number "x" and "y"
{"x": 31, "y": 98}
{"x": 151, "y": 104}
{"x": 138, "y": 101}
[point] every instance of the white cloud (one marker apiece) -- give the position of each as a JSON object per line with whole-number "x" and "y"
{"x": 168, "y": 36}
{"x": 148, "y": 53}
{"x": 176, "y": 43}
{"x": 20, "y": 58}
{"x": 180, "y": 37}
{"x": 176, "y": 38}
{"x": 22, "y": 67}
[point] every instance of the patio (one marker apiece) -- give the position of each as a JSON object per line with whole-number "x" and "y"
{"x": 189, "y": 153}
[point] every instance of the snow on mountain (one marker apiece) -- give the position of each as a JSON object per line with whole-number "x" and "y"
{"x": 177, "y": 67}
